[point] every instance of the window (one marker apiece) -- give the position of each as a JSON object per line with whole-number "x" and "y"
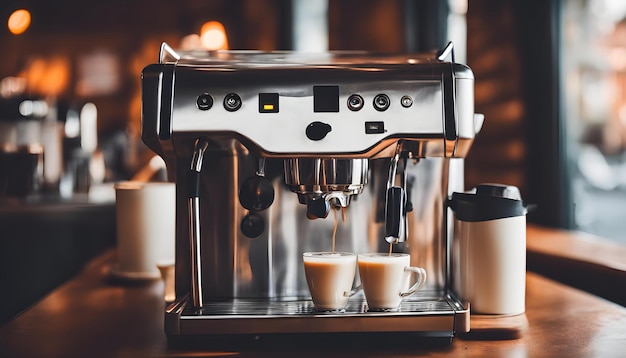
{"x": 593, "y": 75}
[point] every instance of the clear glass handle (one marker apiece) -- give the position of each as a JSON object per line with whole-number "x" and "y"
{"x": 353, "y": 291}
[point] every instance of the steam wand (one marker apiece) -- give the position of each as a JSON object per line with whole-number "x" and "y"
{"x": 395, "y": 202}
{"x": 193, "y": 185}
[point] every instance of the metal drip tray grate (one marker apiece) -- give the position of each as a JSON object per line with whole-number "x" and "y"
{"x": 356, "y": 306}
{"x": 438, "y": 315}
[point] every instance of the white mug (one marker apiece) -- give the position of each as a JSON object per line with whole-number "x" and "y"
{"x": 330, "y": 277}
{"x": 385, "y": 279}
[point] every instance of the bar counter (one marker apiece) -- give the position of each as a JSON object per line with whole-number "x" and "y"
{"x": 90, "y": 316}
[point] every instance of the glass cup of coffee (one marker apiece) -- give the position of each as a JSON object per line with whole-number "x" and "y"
{"x": 330, "y": 276}
{"x": 386, "y": 278}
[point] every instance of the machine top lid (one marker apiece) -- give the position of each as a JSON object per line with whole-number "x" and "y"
{"x": 272, "y": 59}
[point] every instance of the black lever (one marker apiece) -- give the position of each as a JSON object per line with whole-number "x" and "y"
{"x": 394, "y": 214}
{"x": 395, "y": 201}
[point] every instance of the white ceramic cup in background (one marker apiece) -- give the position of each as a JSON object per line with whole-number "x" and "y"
{"x": 330, "y": 277}
{"x": 168, "y": 275}
{"x": 145, "y": 214}
{"x": 385, "y": 279}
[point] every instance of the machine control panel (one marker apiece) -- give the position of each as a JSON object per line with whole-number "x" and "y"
{"x": 325, "y": 99}
{"x": 315, "y": 118}
{"x": 334, "y": 117}
{"x": 329, "y": 110}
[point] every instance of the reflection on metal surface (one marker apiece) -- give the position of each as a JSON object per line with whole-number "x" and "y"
{"x": 277, "y": 252}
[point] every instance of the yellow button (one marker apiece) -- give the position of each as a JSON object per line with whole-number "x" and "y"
{"x": 268, "y": 107}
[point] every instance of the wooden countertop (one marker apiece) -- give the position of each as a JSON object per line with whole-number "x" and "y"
{"x": 581, "y": 260}
{"x": 90, "y": 317}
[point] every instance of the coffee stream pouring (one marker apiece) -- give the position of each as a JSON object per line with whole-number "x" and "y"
{"x": 259, "y": 143}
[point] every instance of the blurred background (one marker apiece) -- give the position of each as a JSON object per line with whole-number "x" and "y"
{"x": 549, "y": 78}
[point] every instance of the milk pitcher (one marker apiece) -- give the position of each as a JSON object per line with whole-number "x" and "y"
{"x": 489, "y": 263}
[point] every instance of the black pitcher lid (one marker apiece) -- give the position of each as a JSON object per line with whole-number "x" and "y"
{"x": 488, "y": 202}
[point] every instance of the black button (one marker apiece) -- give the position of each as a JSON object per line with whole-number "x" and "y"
{"x": 317, "y": 130}
{"x": 232, "y": 102}
{"x": 374, "y": 127}
{"x": 204, "y": 101}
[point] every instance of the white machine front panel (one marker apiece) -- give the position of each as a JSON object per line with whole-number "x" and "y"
{"x": 281, "y": 127}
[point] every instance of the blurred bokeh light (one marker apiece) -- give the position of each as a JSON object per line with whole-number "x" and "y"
{"x": 213, "y": 36}
{"x": 19, "y": 21}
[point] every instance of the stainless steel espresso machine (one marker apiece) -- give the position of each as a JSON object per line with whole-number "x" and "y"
{"x": 269, "y": 149}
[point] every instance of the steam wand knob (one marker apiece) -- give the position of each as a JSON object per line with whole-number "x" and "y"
{"x": 257, "y": 192}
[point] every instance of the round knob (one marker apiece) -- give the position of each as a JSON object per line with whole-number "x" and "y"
{"x": 381, "y": 102}
{"x": 232, "y": 102}
{"x": 317, "y": 130}
{"x": 355, "y": 102}
{"x": 256, "y": 193}
{"x": 204, "y": 101}
{"x": 252, "y": 225}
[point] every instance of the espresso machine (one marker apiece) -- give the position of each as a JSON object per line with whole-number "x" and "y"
{"x": 269, "y": 149}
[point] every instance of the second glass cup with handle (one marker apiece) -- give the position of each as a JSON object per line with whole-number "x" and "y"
{"x": 330, "y": 277}
{"x": 386, "y": 277}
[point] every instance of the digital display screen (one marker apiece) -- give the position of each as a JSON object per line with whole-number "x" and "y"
{"x": 325, "y": 98}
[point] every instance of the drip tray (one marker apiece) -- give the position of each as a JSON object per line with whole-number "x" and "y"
{"x": 420, "y": 314}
